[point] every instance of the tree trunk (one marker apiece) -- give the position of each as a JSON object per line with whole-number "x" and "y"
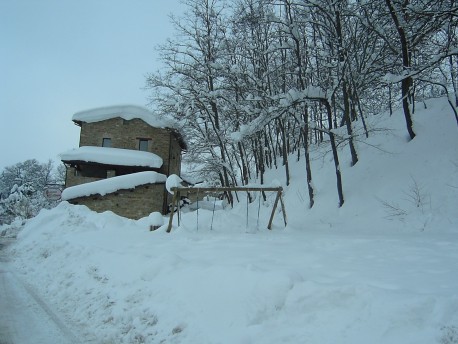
{"x": 345, "y": 93}
{"x": 308, "y": 167}
{"x": 453, "y": 78}
{"x": 354, "y": 155}
{"x": 358, "y": 103}
{"x": 284, "y": 150}
{"x": 334, "y": 153}
{"x": 407, "y": 82}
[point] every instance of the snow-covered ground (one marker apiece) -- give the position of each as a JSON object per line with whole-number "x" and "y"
{"x": 381, "y": 269}
{"x": 25, "y": 318}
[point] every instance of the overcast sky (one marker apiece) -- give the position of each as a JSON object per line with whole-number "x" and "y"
{"x": 58, "y": 57}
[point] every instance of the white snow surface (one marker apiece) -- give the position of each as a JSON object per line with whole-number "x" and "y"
{"x": 127, "y": 112}
{"x": 106, "y": 186}
{"x": 113, "y": 156}
{"x": 155, "y": 219}
{"x": 173, "y": 181}
{"x": 381, "y": 269}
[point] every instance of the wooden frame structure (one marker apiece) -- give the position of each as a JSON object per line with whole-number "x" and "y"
{"x": 177, "y": 191}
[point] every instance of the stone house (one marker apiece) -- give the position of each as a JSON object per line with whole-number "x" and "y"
{"x": 124, "y": 157}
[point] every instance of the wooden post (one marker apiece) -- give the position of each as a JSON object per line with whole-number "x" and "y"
{"x": 269, "y": 226}
{"x": 178, "y": 205}
{"x": 177, "y": 191}
{"x": 169, "y": 228}
{"x": 283, "y": 207}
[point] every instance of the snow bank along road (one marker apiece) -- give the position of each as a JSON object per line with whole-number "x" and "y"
{"x": 24, "y": 317}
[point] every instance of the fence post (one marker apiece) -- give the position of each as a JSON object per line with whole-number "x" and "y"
{"x": 169, "y": 228}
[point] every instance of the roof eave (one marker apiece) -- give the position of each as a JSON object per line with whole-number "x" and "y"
{"x": 108, "y": 166}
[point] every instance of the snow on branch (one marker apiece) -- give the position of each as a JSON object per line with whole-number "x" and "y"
{"x": 285, "y": 101}
{"x": 390, "y": 78}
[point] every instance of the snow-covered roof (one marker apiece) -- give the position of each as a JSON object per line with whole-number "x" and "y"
{"x": 113, "y": 156}
{"x": 106, "y": 186}
{"x": 129, "y": 112}
{"x": 126, "y": 112}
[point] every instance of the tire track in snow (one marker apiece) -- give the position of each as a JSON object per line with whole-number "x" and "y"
{"x": 24, "y": 316}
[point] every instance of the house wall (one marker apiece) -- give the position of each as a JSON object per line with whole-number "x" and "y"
{"x": 72, "y": 179}
{"x": 126, "y": 134}
{"x": 175, "y": 157}
{"x": 131, "y": 203}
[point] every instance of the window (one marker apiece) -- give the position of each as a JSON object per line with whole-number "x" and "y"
{"x": 143, "y": 145}
{"x": 106, "y": 142}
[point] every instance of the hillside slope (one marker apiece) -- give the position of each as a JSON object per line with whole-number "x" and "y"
{"x": 396, "y": 185}
{"x": 381, "y": 269}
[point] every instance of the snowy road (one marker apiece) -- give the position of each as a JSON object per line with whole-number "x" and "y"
{"x": 24, "y": 317}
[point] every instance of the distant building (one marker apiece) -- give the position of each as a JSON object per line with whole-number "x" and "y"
{"x": 124, "y": 157}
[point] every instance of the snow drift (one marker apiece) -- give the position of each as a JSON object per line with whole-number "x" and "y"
{"x": 381, "y": 269}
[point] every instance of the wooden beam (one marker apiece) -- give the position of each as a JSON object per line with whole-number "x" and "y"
{"x": 283, "y": 208}
{"x": 178, "y": 206}
{"x": 174, "y": 200}
{"x": 178, "y": 190}
{"x": 269, "y": 226}
{"x": 229, "y": 188}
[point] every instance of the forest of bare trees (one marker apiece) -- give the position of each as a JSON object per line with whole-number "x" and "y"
{"x": 254, "y": 83}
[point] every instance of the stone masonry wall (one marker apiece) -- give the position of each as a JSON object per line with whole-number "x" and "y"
{"x": 175, "y": 156}
{"x": 72, "y": 179}
{"x": 126, "y": 134}
{"x": 131, "y": 203}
